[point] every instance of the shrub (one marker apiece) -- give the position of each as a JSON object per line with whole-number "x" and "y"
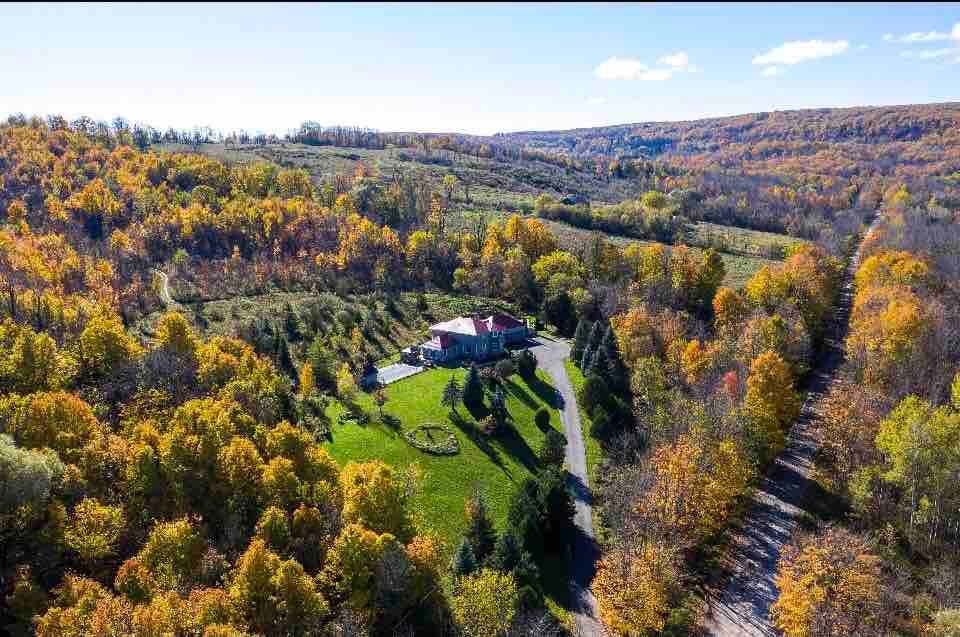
{"x": 542, "y": 419}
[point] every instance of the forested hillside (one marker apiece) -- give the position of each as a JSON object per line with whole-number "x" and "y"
{"x": 185, "y": 320}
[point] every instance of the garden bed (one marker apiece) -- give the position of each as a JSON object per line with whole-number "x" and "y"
{"x": 432, "y": 438}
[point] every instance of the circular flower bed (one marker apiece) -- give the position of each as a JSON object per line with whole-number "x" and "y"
{"x": 433, "y": 438}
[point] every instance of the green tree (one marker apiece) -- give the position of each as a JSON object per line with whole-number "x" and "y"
{"x": 580, "y": 338}
{"x": 554, "y": 448}
{"x": 921, "y": 452}
{"x": 542, "y": 419}
{"x": 480, "y": 531}
{"x": 464, "y": 561}
{"x": 473, "y": 388}
{"x": 452, "y": 394}
{"x": 322, "y": 363}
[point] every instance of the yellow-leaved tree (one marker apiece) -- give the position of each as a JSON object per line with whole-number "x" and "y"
{"x": 771, "y": 403}
{"x": 829, "y": 584}
{"x": 634, "y": 589}
{"x": 485, "y": 603}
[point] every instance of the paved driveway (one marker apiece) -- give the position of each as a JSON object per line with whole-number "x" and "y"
{"x": 550, "y": 356}
{"x": 393, "y": 373}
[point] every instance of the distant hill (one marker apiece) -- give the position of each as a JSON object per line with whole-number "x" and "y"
{"x": 861, "y": 125}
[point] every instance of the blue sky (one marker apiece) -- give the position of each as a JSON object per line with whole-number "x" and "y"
{"x": 476, "y": 68}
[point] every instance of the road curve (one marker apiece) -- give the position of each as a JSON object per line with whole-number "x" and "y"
{"x": 550, "y": 357}
{"x": 741, "y": 608}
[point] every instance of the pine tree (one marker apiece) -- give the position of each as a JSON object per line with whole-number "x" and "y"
{"x": 464, "y": 562}
{"x": 284, "y": 360}
{"x": 473, "y": 388}
{"x": 291, "y": 323}
{"x": 506, "y": 554}
{"x": 596, "y": 335}
{"x": 452, "y": 393}
{"x": 586, "y": 358}
{"x": 599, "y": 364}
{"x": 580, "y": 337}
{"x": 322, "y": 364}
{"x": 480, "y": 532}
{"x": 498, "y": 405}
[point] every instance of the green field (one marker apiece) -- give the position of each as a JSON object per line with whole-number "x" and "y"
{"x": 741, "y": 241}
{"x": 497, "y": 465}
{"x": 739, "y": 267}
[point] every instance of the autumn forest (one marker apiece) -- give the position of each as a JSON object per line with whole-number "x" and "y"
{"x": 732, "y": 312}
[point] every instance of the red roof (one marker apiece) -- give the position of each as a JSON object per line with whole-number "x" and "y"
{"x": 505, "y": 322}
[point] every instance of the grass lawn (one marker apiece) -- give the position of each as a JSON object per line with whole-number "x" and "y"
{"x": 591, "y": 444}
{"x": 497, "y": 465}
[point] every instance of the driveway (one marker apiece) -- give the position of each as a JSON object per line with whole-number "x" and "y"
{"x": 550, "y": 357}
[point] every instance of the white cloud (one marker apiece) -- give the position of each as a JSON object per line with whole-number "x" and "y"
{"x": 677, "y": 60}
{"x": 656, "y": 75}
{"x": 596, "y": 101}
{"x": 772, "y": 71}
{"x": 801, "y": 51}
{"x": 620, "y": 69}
{"x": 930, "y": 54}
{"x": 923, "y": 36}
{"x": 616, "y": 68}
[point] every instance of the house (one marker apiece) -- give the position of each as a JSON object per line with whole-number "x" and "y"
{"x": 473, "y": 337}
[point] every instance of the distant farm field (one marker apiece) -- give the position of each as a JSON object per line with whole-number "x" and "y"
{"x": 739, "y": 267}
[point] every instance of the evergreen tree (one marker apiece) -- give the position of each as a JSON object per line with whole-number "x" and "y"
{"x": 617, "y": 373}
{"x": 554, "y": 448}
{"x": 480, "y": 532}
{"x": 284, "y": 360}
{"x": 473, "y": 388}
{"x": 557, "y": 507}
{"x": 524, "y": 517}
{"x": 291, "y": 323}
{"x": 464, "y": 562}
{"x": 322, "y": 363}
{"x": 452, "y": 393}
{"x": 498, "y": 405}
{"x": 593, "y": 394}
{"x": 507, "y": 553}
{"x": 580, "y": 337}
{"x": 599, "y": 364}
{"x": 526, "y": 364}
{"x": 596, "y": 335}
{"x": 586, "y": 358}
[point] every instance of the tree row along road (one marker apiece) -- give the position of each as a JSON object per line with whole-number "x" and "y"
{"x": 741, "y": 608}
{"x": 550, "y": 357}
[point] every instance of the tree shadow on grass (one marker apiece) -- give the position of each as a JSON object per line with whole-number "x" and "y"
{"x": 391, "y": 422}
{"x": 522, "y": 394}
{"x": 478, "y": 438}
{"x": 514, "y": 444}
{"x": 545, "y": 392}
{"x": 477, "y": 411}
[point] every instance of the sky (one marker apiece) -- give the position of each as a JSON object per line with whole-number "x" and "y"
{"x": 472, "y": 68}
